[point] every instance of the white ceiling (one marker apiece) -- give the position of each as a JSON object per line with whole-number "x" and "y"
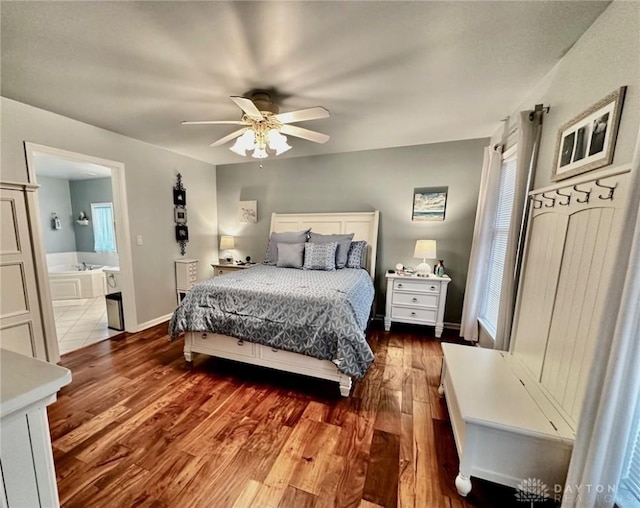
{"x": 57, "y": 167}
{"x": 391, "y": 73}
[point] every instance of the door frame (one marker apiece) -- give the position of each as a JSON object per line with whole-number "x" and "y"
{"x": 123, "y": 239}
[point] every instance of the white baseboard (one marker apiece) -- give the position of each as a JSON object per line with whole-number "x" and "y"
{"x": 153, "y": 322}
{"x": 452, "y": 326}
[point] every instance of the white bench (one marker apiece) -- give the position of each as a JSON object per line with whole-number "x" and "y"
{"x": 506, "y": 430}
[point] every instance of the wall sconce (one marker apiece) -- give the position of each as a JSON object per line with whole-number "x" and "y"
{"x": 227, "y": 243}
{"x": 55, "y": 222}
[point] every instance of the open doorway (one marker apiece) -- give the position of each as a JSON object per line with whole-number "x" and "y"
{"x": 85, "y": 246}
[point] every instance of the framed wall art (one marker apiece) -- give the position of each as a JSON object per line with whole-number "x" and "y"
{"x": 248, "y": 211}
{"x": 180, "y": 215}
{"x": 587, "y": 142}
{"x": 429, "y": 204}
{"x": 182, "y": 233}
{"x": 179, "y": 197}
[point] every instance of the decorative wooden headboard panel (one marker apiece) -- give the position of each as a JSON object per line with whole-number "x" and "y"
{"x": 364, "y": 225}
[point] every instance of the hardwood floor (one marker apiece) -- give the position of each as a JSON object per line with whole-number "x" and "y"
{"x": 139, "y": 427}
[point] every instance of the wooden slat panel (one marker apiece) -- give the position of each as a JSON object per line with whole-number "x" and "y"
{"x": 537, "y": 291}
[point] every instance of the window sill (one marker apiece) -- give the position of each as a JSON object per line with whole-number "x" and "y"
{"x": 487, "y": 333}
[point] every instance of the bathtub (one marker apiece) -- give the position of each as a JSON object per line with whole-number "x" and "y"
{"x": 68, "y": 282}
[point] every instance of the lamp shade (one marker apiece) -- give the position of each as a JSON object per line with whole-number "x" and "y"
{"x": 226, "y": 242}
{"x": 425, "y": 249}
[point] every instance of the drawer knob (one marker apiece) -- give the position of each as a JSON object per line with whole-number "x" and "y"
{"x": 400, "y": 285}
{"x": 204, "y": 336}
{"x": 274, "y": 350}
{"x": 433, "y": 288}
{"x": 413, "y": 313}
{"x": 414, "y": 299}
{"x": 240, "y": 342}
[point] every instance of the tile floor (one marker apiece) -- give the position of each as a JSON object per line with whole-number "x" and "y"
{"x": 81, "y": 322}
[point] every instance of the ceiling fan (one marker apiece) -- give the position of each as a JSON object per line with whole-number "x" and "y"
{"x": 263, "y": 126}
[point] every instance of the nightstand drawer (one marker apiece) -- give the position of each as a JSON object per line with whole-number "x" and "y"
{"x": 223, "y": 271}
{"x": 413, "y": 314}
{"x": 415, "y": 299}
{"x": 420, "y": 285}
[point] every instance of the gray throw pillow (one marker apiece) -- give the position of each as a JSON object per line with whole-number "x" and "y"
{"x": 344, "y": 241}
{"x": 290, "y": 255}
{"x": 320, "y": 256}
{"x": 356, "y": 257}
{"x": 271, "y": 256}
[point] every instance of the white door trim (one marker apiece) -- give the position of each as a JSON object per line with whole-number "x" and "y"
{"x": 123, "y": 237}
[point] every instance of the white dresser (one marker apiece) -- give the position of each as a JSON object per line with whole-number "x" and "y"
{"x": 27, "y": 387}
{"x": 186, "y": 276}
{"x": 416, "y": 300}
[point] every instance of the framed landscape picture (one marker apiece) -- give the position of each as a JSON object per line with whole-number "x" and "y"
{"x": 588, "y": 141}
{"x": 429, "y": 204}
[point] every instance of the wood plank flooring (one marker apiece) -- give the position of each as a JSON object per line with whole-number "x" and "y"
{"x": 140, "y": 427}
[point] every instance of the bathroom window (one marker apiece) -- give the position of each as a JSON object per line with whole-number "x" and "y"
{"x": 104, "y": 234}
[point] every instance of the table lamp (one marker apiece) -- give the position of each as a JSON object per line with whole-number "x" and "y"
{"x": 425, "y": 249}
{"x": 227, "y": 243}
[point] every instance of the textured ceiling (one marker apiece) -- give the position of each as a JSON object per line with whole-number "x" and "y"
{"x": 391, "y": 73}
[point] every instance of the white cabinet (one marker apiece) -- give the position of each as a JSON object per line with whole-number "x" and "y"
{"x": 26, "y": 460}
{"x": 416, "y": 300}
{"x": 186, "y": 276}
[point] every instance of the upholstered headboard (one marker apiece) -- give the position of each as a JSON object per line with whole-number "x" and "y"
{"x": 364, "y": 225}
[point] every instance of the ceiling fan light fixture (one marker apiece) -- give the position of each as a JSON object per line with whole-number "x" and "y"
{"x": 263, "y": 126}
{"x": 260, "y": 153}
{"x": 278, "y": 142}
{"x": 245, "y": 142}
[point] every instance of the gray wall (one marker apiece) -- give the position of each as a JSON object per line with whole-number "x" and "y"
{"x": 362, "y": 181}
{"x": 54, "y": 196}
{"x": 150, "y": 174}
{"x": 83, "y": 193}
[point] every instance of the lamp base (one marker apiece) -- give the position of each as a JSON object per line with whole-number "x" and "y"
{"x": 423, "y": 270}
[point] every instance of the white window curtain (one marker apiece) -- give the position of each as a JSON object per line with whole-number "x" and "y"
{"x": 529, "y": 130}
{"x": 481, "y": 246}
{"x": 607, "y": 419}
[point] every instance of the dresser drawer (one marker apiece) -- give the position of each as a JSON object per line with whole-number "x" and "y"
{"x": 422, "y": 286}
{"x": 417, "y": 299}
{"x": 228, "y": 344}
{"x": 414, "y": 314}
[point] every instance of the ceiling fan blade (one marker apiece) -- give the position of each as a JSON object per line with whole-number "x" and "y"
{"x": 248, "y": 107}
{"x": 302, "y": 115}
{"x": 299, "y": 132}
{"x": 214, "y": 122}
{"x": 228, "y": 137}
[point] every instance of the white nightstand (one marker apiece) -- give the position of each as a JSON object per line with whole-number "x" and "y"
{"x": 417, "y": 300}
{"x": 186, "y": 276}
{"x": 221, "y": 269}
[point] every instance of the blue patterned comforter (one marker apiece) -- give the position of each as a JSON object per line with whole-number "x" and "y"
{"x": 316, "y": 313}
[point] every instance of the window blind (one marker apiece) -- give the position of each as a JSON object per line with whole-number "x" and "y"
{"x": 500, "y": 236}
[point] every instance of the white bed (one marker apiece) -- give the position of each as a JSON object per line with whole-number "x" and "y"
{"x": 364, "y": 225}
